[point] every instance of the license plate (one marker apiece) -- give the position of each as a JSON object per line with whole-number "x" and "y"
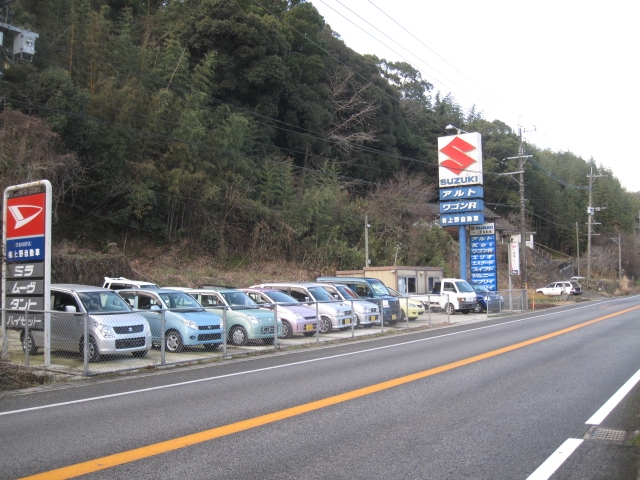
{"x": 308, "y": 326}
{"x": 393, "y": 317}
{"x": 374, "y": 318}
{"x": 347, "y": 321}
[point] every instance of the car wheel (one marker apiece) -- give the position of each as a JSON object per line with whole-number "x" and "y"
{"x": 93, "y": 353}
{"x": 402, "y": 316}
{"x": 238, "y": 336}
{"x": 478, "y": 308}
{"x": 287, "y": 331}
{"x": 28, "y": 343}
{"x": 173, "y": 342}
{"x": 325, "y": 325}
{"x": 140, "y": 354}
{"x": 465, "y": 310}
{"x": 449, "y": 309}
{"x": 211, "y": 347}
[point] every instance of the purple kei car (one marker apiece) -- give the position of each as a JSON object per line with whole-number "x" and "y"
{"x": 296, "y": 317}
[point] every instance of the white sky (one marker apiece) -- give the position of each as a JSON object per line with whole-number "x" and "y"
{"x": 567, "y": 69}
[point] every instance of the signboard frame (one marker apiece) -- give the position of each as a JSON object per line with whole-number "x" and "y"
{"x": 26, "y": 265}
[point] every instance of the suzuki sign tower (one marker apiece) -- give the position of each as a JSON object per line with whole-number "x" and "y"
{"x": 460, "y": 182}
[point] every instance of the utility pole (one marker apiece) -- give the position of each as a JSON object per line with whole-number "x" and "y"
{"x": 366, "y": 240}
{"x": 590, "y": 212}
{"x": 577, "y": 249}
{"x": 523, "y": 244}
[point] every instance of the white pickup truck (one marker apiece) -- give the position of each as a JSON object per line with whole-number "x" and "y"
{"x": 451, "y": 295}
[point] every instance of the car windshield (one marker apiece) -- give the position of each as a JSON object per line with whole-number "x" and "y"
{"x": 239, "y": 299}
{"x": 179, "y": 300}
{"x": 321, "y": 295}
{"x": 280, "y": 297}
{"x": 95, "y": 302}
{"x": 379, "y": 287}
{"x": 463, "y": 286}
{"x": 347, "y": 293}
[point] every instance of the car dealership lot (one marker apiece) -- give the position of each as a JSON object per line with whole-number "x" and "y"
{"x": 69, "y": 363}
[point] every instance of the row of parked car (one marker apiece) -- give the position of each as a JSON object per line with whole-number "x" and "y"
{"x": 126, "y": 316}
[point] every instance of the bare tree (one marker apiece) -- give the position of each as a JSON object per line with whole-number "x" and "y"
{"x": 351, "y": 112}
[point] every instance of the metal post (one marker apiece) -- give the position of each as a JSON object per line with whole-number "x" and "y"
{"x": 366, "y": 240}
{"x": 85, "y": 327}
{"x": 319, "y": 320}
{"x": 619, "y": 259}
{"x": 26, "y": 341}
{"x": 224, "y": 331}
{"x": 275, "y": 326}
{"x": 462, "y": 239}
{"x": 5, "y": 342}
{"x": 577, "y": 250}
{"x": 163, "y": 338}
{"x": 354, "y": 320}
{"x": 523, "y": 244}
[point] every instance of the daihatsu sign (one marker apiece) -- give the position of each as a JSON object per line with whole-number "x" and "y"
{"x": 460, "y": 160}
{"x": 26, "y": 268}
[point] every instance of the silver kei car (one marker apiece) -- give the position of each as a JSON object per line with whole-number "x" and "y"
{"x": 113, "y": 328}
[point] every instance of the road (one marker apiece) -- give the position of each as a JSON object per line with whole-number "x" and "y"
{"x": 490, "y": 400}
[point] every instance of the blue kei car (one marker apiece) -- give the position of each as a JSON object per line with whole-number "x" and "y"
{"x": 487, "y": 300}
{"x": 187, "y": 323}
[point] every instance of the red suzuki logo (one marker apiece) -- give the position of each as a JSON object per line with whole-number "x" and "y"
{"x": 25, "y": 216}
{"x": 458, "y": 161}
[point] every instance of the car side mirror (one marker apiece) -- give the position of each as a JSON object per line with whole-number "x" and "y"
{"x": 155, "y": 307}
{"x": 70, "y": 308}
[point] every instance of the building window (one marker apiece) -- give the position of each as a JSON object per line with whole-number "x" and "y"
{"x": 407, "y": 284}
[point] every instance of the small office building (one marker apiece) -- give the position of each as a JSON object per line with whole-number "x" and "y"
{"x": 413, "y": 280}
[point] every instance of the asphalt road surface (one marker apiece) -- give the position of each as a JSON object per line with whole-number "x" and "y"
{"x": 527, "y": 396}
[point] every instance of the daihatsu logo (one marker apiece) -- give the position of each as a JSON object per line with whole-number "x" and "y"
{"x": 20, "y": 212}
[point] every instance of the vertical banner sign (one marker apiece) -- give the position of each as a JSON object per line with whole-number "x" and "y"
{"x": 514, "y": 258}
{"x": 460, "y": 181}
{"x": 484, "y": 268}
{"x": 26, "y": 267}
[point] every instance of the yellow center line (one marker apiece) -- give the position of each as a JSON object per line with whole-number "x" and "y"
{"x": 114, "y": 460}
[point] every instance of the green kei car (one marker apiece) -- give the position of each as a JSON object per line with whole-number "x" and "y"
{"x": 245, "y": 320}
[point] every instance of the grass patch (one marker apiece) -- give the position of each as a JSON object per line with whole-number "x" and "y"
{"x": 15, "y": 377}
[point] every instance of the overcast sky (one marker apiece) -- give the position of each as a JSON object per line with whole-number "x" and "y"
{"x": 566, "y": 71}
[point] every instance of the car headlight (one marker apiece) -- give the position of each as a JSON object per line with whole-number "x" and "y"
{"x": 147, "y": 330}
{"x": 253, "y": 319}
{"x": 105, "y": 330}
{"x": 299, "y": 317}
{"x": 190, "y": 323}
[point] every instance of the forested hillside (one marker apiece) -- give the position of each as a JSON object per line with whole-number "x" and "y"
{"x": 248, "y": 129}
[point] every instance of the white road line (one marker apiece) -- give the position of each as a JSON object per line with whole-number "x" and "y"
{"x": 102, "y": 397}
{"x": 599, "y": 416}
{"x": 557, "y": 458}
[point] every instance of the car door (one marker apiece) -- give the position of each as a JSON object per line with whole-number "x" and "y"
{"x": 66, "y": 328}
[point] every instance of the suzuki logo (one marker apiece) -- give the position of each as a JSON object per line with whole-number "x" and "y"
{"x": 18, "y": 212}
{"x": 458, "y": 161}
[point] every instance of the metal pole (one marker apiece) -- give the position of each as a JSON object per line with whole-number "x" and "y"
{"x": 275, "y": 326}
{"x": 619, "y": 259}
{"x": 224, "y": 331}
{"x": 163, "y": 338}
{"x": 86, "y": 343}
{"x": 354, "y": 319}
{"x": 26, "y": 341}
{"x": 577, "y": 249}
{"x": 523, "y": 244}
{"x": 589, "y": 215}
{"x": 366, "y": 240}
